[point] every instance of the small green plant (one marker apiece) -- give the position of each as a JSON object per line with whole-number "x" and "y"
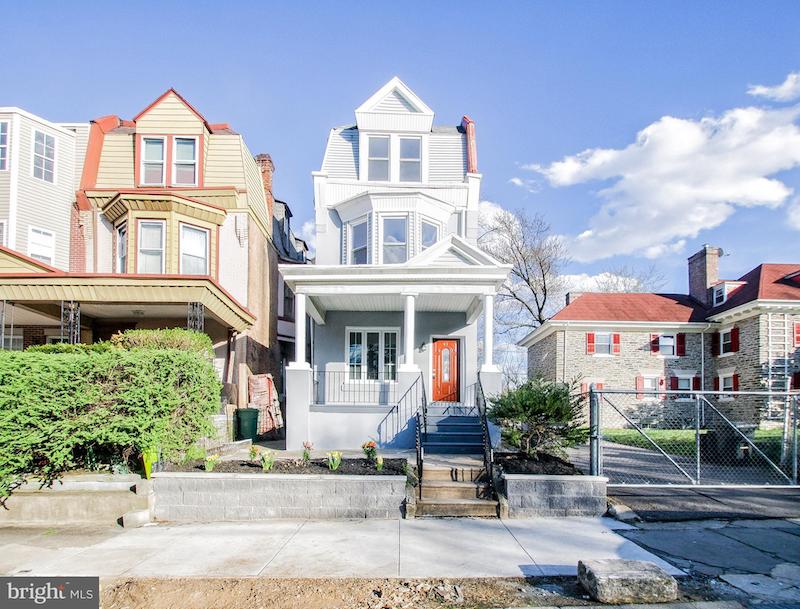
{"x": 370, "y": 449}
{"x": 379, "y": 463}
{"x": 334, "y": 459}
{"x": 211, "y": 462}
{"x": 267, "y": 460}
{"x": 194, "y": 453}
{"x": 253, "y": 452}
{"x": 307, "y": 448}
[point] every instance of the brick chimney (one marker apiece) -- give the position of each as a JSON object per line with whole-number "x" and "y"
{"x": 571, "y": 296}
{"x": 267, "y": 168}
{"x": 703, "y": 273}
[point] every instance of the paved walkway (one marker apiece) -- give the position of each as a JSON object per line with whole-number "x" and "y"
{"x": 349, "y": 548}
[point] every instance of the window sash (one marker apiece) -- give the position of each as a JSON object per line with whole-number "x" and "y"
{"x": 358, "y": 248}
{"x": 432, "y": 236}
{"x": 719, "y": 295}
{"x": 371, "y": 354}
{"x": 726, "y": 342}
{"x": 153, "y": 165}
{"x": 182, "y": 166}
{"x": 13, "y": 342}
{"x": 410, "y": 160}
{"x": 122, "y": 248}
{"x": 41, "y": 244}
{"x": 666, "y": 344}
{"x": 288, "y": 301}
{"x": 3, "y": 145}
{"x": 151, "y": 256}
{"x": 395, "y": 251}
{"x": 726, "y": 383}
{"x": 377, "y": 160}
{"x": 602, "y": 343}
{"x": 44, "y": 156}
{"x": 194, "y": 250}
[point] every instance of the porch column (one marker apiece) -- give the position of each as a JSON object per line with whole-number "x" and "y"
{"x": 409, "y": 332}
{"x": 299, "y": 332}
{"x": 488, "y": 334}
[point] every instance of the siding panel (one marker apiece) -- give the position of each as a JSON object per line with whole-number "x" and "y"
{"x": 448, "y": 157}
{"x": 116, "y": 161}
{"x": 341, "y": 155}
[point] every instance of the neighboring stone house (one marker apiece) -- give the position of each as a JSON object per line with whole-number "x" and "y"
{"x": 741, "y": 335}
{"x": 169, "y": 224}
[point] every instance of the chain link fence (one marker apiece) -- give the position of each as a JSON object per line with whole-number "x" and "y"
{"x": 708, "y": 438}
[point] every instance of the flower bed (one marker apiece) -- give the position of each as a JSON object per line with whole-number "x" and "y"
{"x": 348, "y": 467}
{"x": 542, "y": 464}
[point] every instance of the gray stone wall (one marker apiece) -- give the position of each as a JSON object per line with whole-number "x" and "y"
{"x": 189, "y": 497}
{"x": 555, "y": 496}
{"x": 543, "y": 358}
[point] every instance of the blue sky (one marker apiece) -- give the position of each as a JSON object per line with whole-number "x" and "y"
{"x": 543, "y": 81}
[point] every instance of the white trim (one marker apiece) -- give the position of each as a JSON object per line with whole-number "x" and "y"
{"x": 175, "y": 161}
{"x": 754, "y": 307}
{"x": 34, "y": 131}
{"x": 44, "y": 232}
{"x": 388, "y": 158}
{"x": 423, "y": 219}
{"x": 181, "y": 226}
{"x": 349, "y": 228}
{"x": 117, "y": 262}
{"x": 142, "y": 160}
{"x": 381, "y": 331}
{"x": 13, "y": 184}
{"x": 163, "y": 224}
{"x": 38, "y": 119}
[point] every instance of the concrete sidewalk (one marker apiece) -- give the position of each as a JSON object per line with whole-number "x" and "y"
{"x": 349, "y": 548}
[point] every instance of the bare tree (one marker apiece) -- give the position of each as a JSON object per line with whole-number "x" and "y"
{"x": 536, "y": 258}
{"x": 626, "y": 278}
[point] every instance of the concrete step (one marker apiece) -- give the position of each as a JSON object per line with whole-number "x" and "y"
{"x": 454, "y": 425}
{"x": 456, "y": 474}
{"x": 458, "y": 437}
{"x": 449, "y": 419}
{"x": 448, "y": 489}
{"x": 73, "y": 507}
{"x": 452, "y": 448}
{"x": 461, "y": 508}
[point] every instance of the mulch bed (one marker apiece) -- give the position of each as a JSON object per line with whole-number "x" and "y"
{"x": 349, "y": 467}
{"x": 543, "y": 464}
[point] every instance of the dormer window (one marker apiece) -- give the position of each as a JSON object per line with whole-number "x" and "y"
{"x": 719, "y": 295}
{"x": 44, "y": 156}
{"x": 358, "y": 243}
{"x": 410, "y": 159}
{"x": 153, "y": 161}
{"x": 184, "y": 170}
{"x": 378, "y": 170}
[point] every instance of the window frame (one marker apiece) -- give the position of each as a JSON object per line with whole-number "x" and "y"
{"x": 4, "y": 236}
{"x": 433, "y": 223}
{"x": 176, "y": 162}
{"x": 723, "y": 376}
{"x": 402, "y": 160}
{"x": 610, "y": 335}
{"x": 351, "y": 226}
{"x": 163, "y": 224}
{"x": 674, "y": 338}
{"x": 11, "y": 339}
{"x": 363, "y": 331}
{"x": 722, "y": 343}
{"x": 382, "y": 218}
{"x": 120, "y": 267}
{"x": 650, "y": 394}
{"x": 181, "y": 227}
{"x": 52, "y": 235}
{"x": 288, "y": 312}
{"x": 686, "y": 397}
{"x": 388, "y": 157}
{"x": 34, "y": 155}
{"x": 143, "y": 160}
{"x": 4, "y": 148}
{"x": 719, "y": 290}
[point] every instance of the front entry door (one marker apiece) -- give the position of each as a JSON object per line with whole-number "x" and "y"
{"x": 445, "y": 370}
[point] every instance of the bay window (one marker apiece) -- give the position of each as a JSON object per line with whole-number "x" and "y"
{"x": 429, "y": 234}
{"x": 372, "y": 354}
{"x": 153, "y": 161}
{"x": 184, "y": 169}
{"x": 410, "y": 159}
{"x": 151, "y": 246}
{"x": 194, "y": 250}
{"x": 122, "y": 248}
{"x": 395, "y": 240}
{"x": 378, "y": 158}
{"x": 358, "y": 242}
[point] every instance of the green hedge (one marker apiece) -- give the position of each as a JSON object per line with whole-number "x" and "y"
{"x": 172, "y": 338}
{"x": 61, "y": 411}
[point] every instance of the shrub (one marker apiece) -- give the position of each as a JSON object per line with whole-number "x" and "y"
{"x": 171, "y": 338}
{"x": 59, "y": 348}
{"x": 68, "y": 410}
{"x": 544, "y": 416}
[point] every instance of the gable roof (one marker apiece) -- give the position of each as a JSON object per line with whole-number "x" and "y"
{"x": 765, "y": 282}
{"x": 453, "y": 250}
{"x": 625, "y": 306}
{"x": 12, "y": 261}
{"x": 394, "y": 96}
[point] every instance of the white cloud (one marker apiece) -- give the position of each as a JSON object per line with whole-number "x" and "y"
{"x": 488, "y": 211}
{"x": 793, "y": 213}
{"x": 308, "y": 234}
{"x": 679, "y": 177}
{"x": 788, "y": 90}
{"x": 525, "y": 183}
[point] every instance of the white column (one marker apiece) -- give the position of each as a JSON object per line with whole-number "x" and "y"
{"x": 409, "y": 332}
{"x": 299, "y": 332}
{"x": 488, "y": 332}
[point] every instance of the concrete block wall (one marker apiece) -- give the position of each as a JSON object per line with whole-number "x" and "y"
{"x": 190, "y": 497}
{"x": 531, "y": 496}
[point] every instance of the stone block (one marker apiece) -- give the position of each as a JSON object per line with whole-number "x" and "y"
{"x": 322, "y": 512}
{"x": 294, "y": 512}
{"x": 616, "y": 581}
{"x": 265, "y": 512}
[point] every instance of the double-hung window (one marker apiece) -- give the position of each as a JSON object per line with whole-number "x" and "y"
{"x": 726, "y": 341}
{"x": 13, "y": 342}
{"x": 184, "y": 166}
{"x": 602, "y": 343}
{"x": 719, "y": 295}
{"x": 727, "y": 383}
{"x": 372, "y": 354}
{"x": 650, "y": 386}
{"x": 666, "y": 344}
{"x": 684, "y": 383}
{"x": 410, "y": 159}
{"x": 122, "y": 248}
{"x": 429, "y": 234}
{"x": 395, "y": 240}
{"x": 358, "y": 242}
{"x": 288, "y": 301}
{"x": 44, "y": 156}
{"x": 151, "y": 246}
{"x": 153, "y": 149}
{"x": 194, "y": 250}
{"x": 378, "y": 158}
{"x": 41, "y": 244}
{"x": 3, "y": 145}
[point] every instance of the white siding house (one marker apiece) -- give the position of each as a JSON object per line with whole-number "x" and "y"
{"x": 399, "y": 283}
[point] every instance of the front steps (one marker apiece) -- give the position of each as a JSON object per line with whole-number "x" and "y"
{"x": 452, "y": 429}
{"x": 457, "y": 489}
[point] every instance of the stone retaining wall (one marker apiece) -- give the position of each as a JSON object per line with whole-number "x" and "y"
{"x": 532, "y": 496}
{"x": 195, "y": 497}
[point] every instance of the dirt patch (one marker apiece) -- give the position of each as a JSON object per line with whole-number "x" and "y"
{"x": 543, "y": 464}
{"x": 349, "y": 467}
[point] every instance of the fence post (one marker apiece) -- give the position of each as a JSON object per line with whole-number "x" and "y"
{"x": 697, "y": 438}
{"x": 594, "y": 431}
{"x": 794, "y": 438}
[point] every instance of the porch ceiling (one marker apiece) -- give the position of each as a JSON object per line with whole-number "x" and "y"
{"x": 394, "y": 302}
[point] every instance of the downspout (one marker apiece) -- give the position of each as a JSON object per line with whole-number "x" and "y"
{"x": 703, "y": 357}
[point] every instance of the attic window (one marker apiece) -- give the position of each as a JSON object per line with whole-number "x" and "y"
{"x": 153, "y": 160}
{"x": 719, "y": 295}
{"x": 378, "y": 158}
{"x": 410, "y": 159}
{"x": 184, "y": 170}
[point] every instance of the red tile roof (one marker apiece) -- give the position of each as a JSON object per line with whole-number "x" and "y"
{"x": 765, "y": 282}
{"x": 622, "y": 306}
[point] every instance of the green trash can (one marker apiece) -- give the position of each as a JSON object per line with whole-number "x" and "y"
{"x": 248, "y": 424}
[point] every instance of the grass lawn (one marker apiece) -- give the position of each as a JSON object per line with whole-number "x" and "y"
{"x": 681, "y": 441}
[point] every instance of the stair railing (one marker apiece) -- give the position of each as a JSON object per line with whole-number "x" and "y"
{"x": 488, "y": 455}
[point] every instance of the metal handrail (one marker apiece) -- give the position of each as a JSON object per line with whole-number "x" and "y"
{"x": 338, "y": 387}
{"x": 420, "y": 457}
{"x": 488, "y": 456}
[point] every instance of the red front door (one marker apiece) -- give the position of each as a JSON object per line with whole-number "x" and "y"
{"x": 445, "y": 370}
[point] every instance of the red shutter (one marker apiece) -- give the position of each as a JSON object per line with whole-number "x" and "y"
{"x": 716, "y": 383}
{"x": 680, "y": 344}
{"x": 736, "y": 382}
{"x": 797, "y": 334}
{"x": 673, "y": 383}
{"x": 655, "y": 347}
{"x": 734, "y": 339}
{"x": 715, "y": 344}
{"x": 696, "y": 383}
{"x": 598, "y": 386}
{"x": 590, "y": 342}
{"x": 615, "y": 343}
{"x": 796, "y": 380}
{"x": 584, "y": 389}
{"x": 639, "y": 387}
